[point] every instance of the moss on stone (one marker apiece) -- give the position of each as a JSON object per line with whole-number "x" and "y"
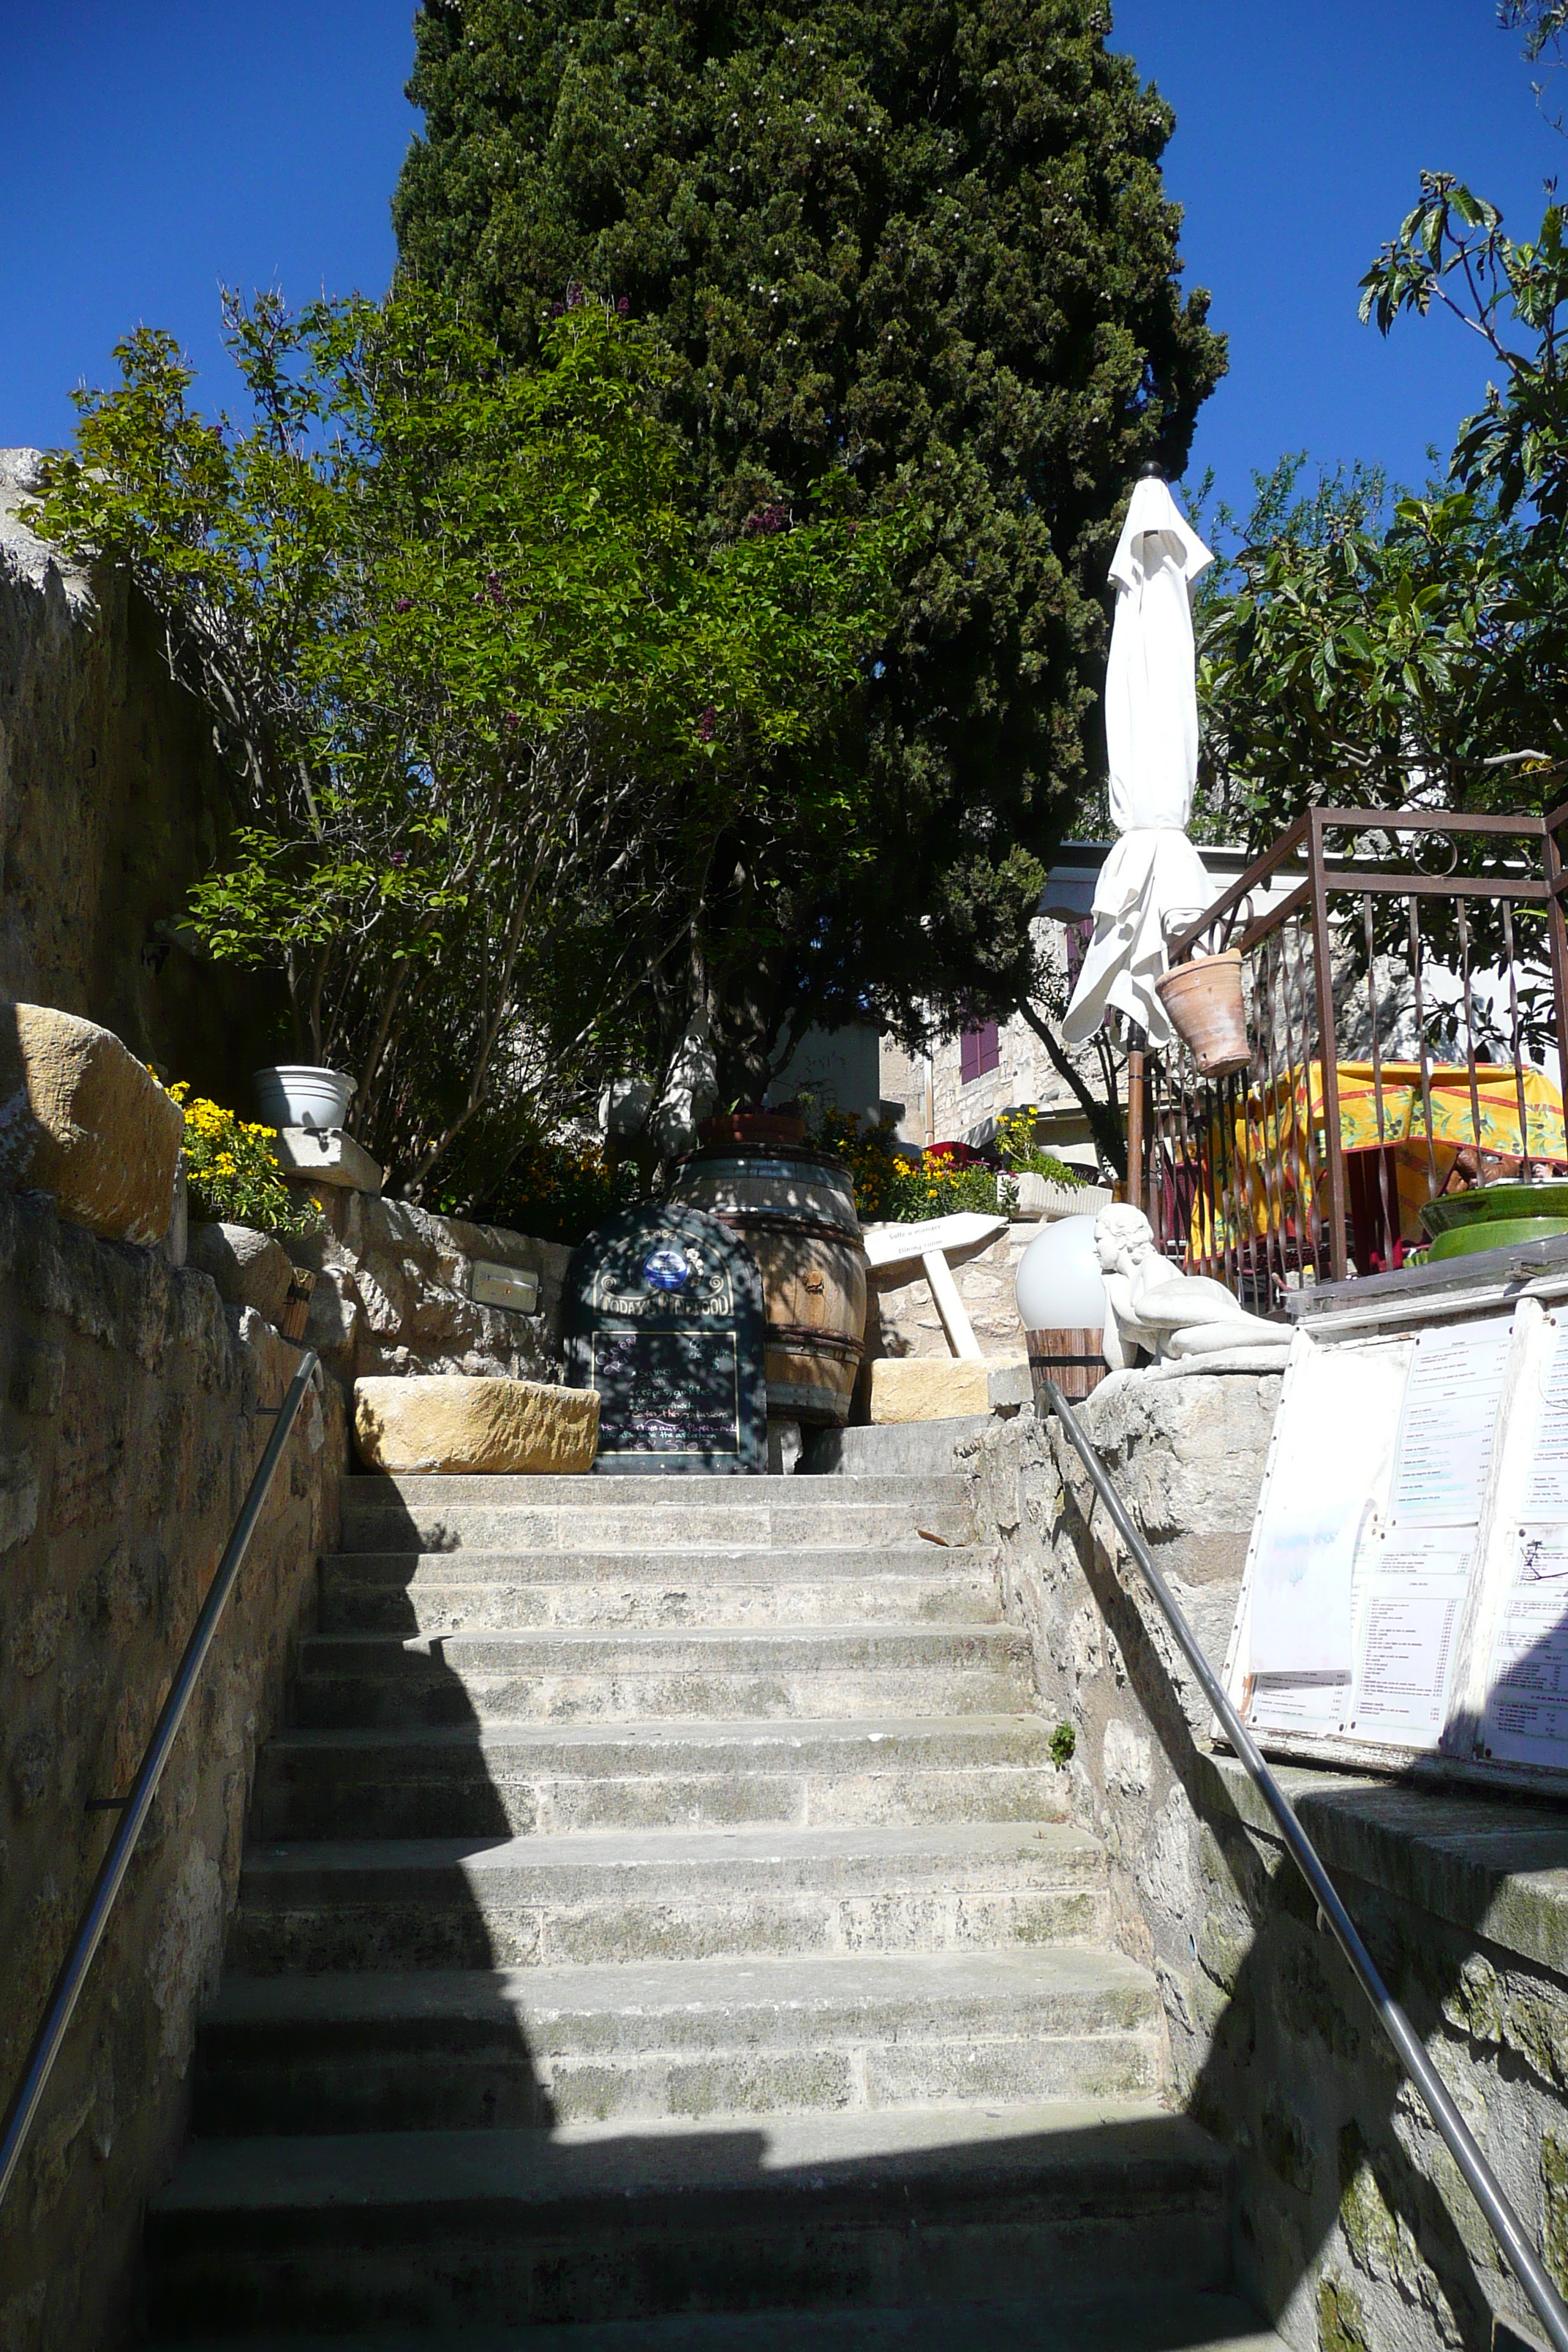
{"x": 1554, "y": 2209}
{"x": 1341, "y": 2323}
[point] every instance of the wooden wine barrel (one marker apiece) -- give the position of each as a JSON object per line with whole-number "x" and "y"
{"x": 795, "y": 1210}
{"x": 1071, "y": 1360}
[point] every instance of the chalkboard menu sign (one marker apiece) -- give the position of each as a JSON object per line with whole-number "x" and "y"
{"x": 664, "y": 1318}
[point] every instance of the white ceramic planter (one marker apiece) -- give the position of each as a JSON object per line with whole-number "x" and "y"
{"x": 293, "y": 1094}
{"x": 1042, "y": 1196}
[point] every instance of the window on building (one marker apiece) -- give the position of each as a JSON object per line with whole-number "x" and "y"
{"x": 978, "y": 1052}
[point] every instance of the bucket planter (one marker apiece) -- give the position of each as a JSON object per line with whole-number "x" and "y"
{"x": 1043, "y": 1196}
{"x": 1204, "y": 1000}
{"x": 295, "y": 1094}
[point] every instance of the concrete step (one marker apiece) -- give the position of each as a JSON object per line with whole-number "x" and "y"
{"x": 664, "y": 1895}
{"x": 591, "y": 2223}
{"x": 1113, "y": 2319}
{"x": 519, "y": 1779}
{"x": 534, "y": 2046}
{"x": 433, "y": 1513}
{"x": 561, "y": 1674}
{"x": 425, "y": 1592}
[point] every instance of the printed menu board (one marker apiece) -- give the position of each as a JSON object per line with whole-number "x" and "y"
{"x": 1407, "y": 1584}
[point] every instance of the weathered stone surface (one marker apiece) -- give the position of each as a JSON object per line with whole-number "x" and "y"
{"x": 943, "y": 1388}
{"x": 327, "y": 1155}
{"x": 112, "y": 802}
{"x": 442, "y": 1420}
{"x": 85, "y": 1122}
{"x": 393, "y": 1294}
{"x": 249, "y": 1268}
{"x": 1354, "y": 2229}
{"x": 133, "y": 1409}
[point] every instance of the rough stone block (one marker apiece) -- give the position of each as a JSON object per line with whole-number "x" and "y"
{"x": 327, "y": 1155}
{"x": 85, "y": 1122}
{"x": 941, "y": 1388}
{"x": 249, "y": 1268}
{"x": 444, "y": 1420}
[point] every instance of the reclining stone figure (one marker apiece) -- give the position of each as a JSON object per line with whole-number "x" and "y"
{"x": 1171, "y": 1315}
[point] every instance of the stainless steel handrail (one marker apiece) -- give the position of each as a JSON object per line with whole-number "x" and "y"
{"x": 1482, "y": 2181}
{"x": 112, "y": 1870}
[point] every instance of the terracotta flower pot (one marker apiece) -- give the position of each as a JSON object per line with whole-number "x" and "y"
{"x": 780, "y": 1128}
{"x": 1204, "y": 1000}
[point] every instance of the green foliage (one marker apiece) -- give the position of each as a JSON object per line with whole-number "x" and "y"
{"x": 1016, "y": 1142}
{"x": 233, "y": 1173}
{"x": 557, "y": 1189}
{"x": 493, "y": 698}
{"x": 893, "y": 1186}
{"x": 928, "y": 250}
{"x": 1063, "y": 1746}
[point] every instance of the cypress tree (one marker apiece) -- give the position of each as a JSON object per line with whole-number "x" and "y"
{"x": 922, "y": 245}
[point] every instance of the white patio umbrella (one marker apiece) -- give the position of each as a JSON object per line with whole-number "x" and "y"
{"x": 1154, "y": 875}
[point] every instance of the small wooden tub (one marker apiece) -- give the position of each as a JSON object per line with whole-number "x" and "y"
{"x": 795, "y": 1212}
{"x": 1072, "y": 1360}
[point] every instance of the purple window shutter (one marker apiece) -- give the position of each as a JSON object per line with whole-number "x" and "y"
{"x": 988, "y": 1050}
{"x": 968, "y": 1057}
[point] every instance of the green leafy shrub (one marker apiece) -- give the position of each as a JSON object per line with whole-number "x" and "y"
{"x": 233, "y": 1173}
{"x": 891, "y": 1188}
{"x": 558, "y": 1190}
{"x": 1016, "y": 1142}
{"x": 1063, "y": 1742}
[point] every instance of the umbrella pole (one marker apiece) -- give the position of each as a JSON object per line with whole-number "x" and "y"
{"x": 1135, "y": 1117}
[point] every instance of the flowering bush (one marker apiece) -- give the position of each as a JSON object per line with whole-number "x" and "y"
{"x": 1016, "y": 1142}
{"x": 233, "y": 1171}
{"x": 892, "y": 1188}
{"x": 558, "y": 1190}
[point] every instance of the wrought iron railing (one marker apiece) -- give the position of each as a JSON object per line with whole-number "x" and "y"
{"x": 1405, "y": 979}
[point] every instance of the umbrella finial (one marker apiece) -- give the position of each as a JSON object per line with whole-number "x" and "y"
{"x": 1152, "y": 472}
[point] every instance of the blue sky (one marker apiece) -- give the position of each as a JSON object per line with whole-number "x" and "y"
{"x": 1301, "y": 132}
{"x": 155, "y": 147}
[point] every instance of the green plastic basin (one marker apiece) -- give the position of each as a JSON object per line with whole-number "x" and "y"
{"x": 1495, "y": 1233}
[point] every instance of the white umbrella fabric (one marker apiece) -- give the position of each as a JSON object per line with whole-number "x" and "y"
{"x": 1153, "y": 872}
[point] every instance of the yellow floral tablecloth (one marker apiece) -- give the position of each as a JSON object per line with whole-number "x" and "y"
{"x": 1270, "y": 1127}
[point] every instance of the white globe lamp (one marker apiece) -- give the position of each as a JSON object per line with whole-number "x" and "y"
{"x": 1063, "y": 1307}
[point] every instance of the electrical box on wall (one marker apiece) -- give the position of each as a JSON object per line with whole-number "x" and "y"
{"x": 511, "y": 1287}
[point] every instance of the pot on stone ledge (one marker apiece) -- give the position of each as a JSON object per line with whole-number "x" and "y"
{"x": 296, "y": 1093}
{"x": 774, "y": 1129}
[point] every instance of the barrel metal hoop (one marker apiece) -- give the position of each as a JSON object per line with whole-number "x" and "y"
{"x": 775, "y": 1221}
{"x": 826, "y": 1343}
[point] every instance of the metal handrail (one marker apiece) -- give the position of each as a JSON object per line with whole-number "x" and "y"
{"x": 72, "y": 1976}
{"x": 1482, "y": 2181}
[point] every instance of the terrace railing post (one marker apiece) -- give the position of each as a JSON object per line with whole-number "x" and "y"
{"x": 1328, "y": 1047}
{"x": 1557, "y": 936}
{"x": 1135, "y": 1117}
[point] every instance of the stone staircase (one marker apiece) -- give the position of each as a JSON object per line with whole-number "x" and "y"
{"x": 663, "y": 1930}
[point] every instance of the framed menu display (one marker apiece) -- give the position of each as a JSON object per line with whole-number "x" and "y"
{"x": 1404, "y": 1601}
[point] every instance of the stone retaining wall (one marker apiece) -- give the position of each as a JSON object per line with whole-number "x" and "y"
{"x": 1353, "y": 2230}
{"x": 112, "y": 803}
{"x": 392, "y": 1294}
{"x": 132, "y": 1413}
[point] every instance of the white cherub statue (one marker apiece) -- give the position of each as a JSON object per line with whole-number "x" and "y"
{"x": 1169, "y": 1314}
